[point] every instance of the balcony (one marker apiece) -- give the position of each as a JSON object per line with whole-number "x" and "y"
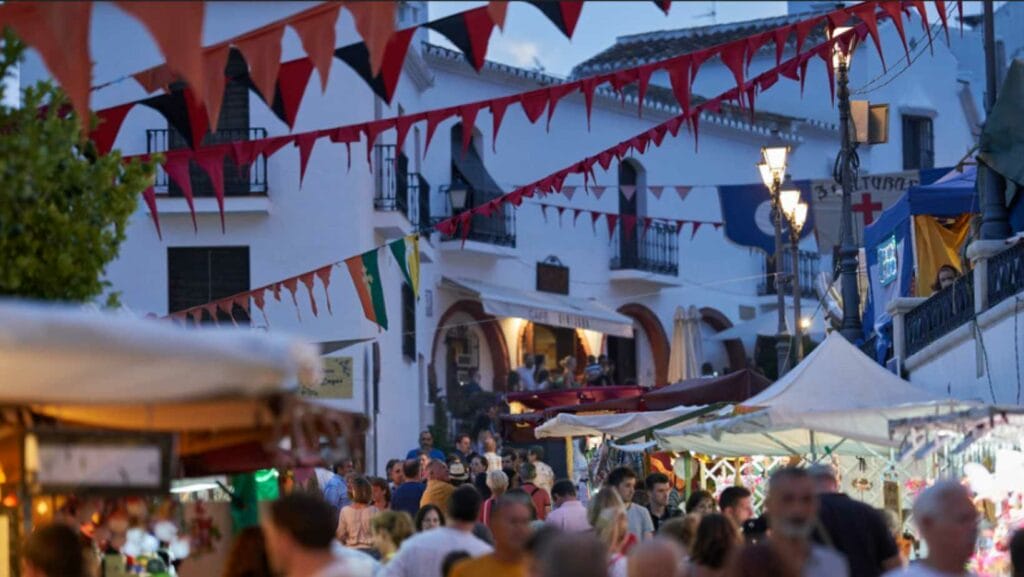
{"x": 809, "y": 266}
{"x": 251, "y": 182}
{"x": 494, "y": 235}
{"x": 651, "y": 258}
{"x": 940, "y": 314}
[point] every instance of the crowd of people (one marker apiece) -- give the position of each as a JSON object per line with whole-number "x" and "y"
{"x": 533, "y": 376}
{"x": 510, "y": 517}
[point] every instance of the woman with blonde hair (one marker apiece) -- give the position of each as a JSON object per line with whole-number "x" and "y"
{"x": 390, "y": 529}
{"x": 354, "y": 521}
{"x": 607, "y": 515}
{"x": 497, "y": 482}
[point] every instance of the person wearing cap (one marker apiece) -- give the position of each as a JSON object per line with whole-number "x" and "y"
{"x": 853, "y": 528}
{"x": 457, "y": 473}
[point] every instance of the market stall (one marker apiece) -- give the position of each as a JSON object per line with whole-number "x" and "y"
{"x": 101, "y": 412}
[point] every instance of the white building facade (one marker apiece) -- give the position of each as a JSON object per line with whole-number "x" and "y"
{"x": 463, "y": 320}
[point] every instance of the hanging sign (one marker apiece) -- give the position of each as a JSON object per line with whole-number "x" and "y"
{"x": 337, "y": 383}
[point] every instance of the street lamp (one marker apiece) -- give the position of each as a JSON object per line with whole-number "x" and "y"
{"x": 845, "y": 174}
{"x": 457, "y": 195}
{"x": 796, "y": 215}
{"x": 773, "y": 171}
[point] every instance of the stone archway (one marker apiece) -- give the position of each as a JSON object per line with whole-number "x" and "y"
{"x": 655, "y": 335}
{"x": 494, "y": 337}
{"x": 733, "y": 347}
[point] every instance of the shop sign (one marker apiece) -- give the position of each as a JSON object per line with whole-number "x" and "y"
{"x": 337, "y": 382}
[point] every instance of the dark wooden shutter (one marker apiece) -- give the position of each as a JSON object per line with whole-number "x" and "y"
{"x": 408, "y": 323}
{"x": 199, "y": 275}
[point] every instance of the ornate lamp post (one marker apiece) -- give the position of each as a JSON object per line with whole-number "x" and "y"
{"x": 773, "y": 171}
{"x": 796, "y": 215}
{"x": 846, "y": 173}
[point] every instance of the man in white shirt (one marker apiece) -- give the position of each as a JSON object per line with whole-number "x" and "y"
{"x": 525, "y": 372}
{"x": 623, "y": 480}
{"x": 792, "y": 506}
{"x": 545, "y": 474}
{"x": 423, "y": 554}
{"x": 569, "y": 514}
{"x": 948, "y": 522}
{"x": 299, "y": 533}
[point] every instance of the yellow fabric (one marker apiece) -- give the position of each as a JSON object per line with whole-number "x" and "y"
{"x": 937, "y": 245}
{"x": 488, "y": 566}
{"x": 412, "y": 251}
{"x": 437, "y": 494}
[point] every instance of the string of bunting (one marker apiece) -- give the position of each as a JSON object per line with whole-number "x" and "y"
{"x": 628, "y": 222}
{"x": 681, "y": 69}
{"x": 627, "y": 190}
{"x": 744, "y": 94}
{"x": 364, "y": 270}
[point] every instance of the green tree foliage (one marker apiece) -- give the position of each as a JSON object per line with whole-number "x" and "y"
{"x": 63, "y": 207}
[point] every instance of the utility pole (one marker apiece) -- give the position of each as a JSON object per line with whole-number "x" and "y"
{"x": 995, "y": 219}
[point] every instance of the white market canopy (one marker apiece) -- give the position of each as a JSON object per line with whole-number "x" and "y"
{"x": 545, "y": 308}
{"x": 122, "y": 371}
{"x": 837, "y": 399}
{"x": 611, "y": 424}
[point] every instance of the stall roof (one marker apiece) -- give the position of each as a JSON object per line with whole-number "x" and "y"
{"x": 950, "y": 196}
{"x": 59, "y": 354}
{"x": 541, "y": 400}
{"x": 615, "y": 425}
{"x": 545, "y": 308}
{"x": 836, "y": 397}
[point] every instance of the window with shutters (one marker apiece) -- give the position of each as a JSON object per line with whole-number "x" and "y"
{"x": 408, "y": 323}
{"x": 200, "y": 275}
{"x": 918, "y": 143}
{"x": 232, "y": 126}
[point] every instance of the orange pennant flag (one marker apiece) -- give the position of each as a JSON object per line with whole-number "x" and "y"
{"x": 214, "y": 63}
{"x": 375, "y": 22}
{"x": 177, "y": 28}
{"x": 262, "y": 53}
{"x": 59, "y": 31}
{"x": 318, "y": 35}
{"x": 497, "y": 10}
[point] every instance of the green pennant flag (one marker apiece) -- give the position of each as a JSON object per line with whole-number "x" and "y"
{"x": 407, "y": 253}
{"x": 365, "y": 272}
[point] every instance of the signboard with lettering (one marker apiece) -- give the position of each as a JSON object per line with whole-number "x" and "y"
{"x": 872, "y": 193}
{"x": 337, "y": 382}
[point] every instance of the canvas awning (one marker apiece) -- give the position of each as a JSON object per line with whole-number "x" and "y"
{"x": 836, "y": 400}
{"x": 544, "y": 308}
{"x": 615, "y": 425}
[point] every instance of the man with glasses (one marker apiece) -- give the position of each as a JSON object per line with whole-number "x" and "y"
{"x": 427, "y": 445}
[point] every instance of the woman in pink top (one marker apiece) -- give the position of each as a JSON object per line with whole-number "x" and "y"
{"x": 354, "y": 529}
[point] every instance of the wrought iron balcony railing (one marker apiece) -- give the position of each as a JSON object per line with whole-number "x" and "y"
{"x": 498, "y": 229}
{"x": 655, "y": 251}
{"x": 809, "y": 266}
{"x": 943, "y": 312}
{"x": 1005, "y": 274}
{"x": 245, "y": 182}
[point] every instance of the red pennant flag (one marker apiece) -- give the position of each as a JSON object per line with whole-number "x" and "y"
{"x": 683, "y": 192}
{"x": 732, "y": 56}
{"x": 866, "y": 12}
{"x": 825, "y": 53}
{"x": 534, "y": 103}
{"x": 157, "y": 78}
{"x": 211, "y": 160}
{"x": 498, "y": 107}
{"x": 214, "y": 63}
{"x": 598, "y": 190}
{"x": 647, "y": 224}
{"x": 317, "y": 33}
{"x": 656, "y": 190}
{"x": 643, "y": 79}
{"x": 940, "y": 7}
{"x": 227, "y": 306}
{"x": 307, "y": 279}
{"x": 272, "y": 145}
{"x": 435, "y": 117}
{"x": 610, "y": 220}
{"x": 468, "y": 114}
{"x": 696, "y": 59}
{"x": 717, "y": 225}
{"x": 803, "y": 28}
{"x": 373, "y": 130}
{"x": 628, "y": 225}
{"x": 211, "y": 309}
{"x": 149, "y": 195}
{"x": 375, "y": 22}
{"x": 292, "y": 79}
{"x": 594, "y": 215}
{"x": 402, "y": 126}
{"x": 587, "y": 86}
{"x": 324, "y": 274}
{"x": 109, "y": 125}
{"x": 257, "y": 297}
{"x": 59, "y": 31}
{"x": 556, "y": 93}
{"x": 561, "y": 210}
{"x": 394, "y": 58}
{"x": 479, "y": 26}
{"x": 754, "y": 44}
{"x": 570, "y": 15}
{"x": 781, "y": 36}
{"x": 628, "y": 190}
{"x": 262, "y": 53}
{"x": 679, "y": 226}
{"x": 605, "y": 159}
{"x": 576, "y": 215}
{"x": 177, "y": 29}
{"x": 176, "y": 167}
{"x": 304, "y": 142}
{"x": 197, "y": 119}
{"x": 569, "y": 191}
{"x": 895, "y": 11}
{"x": 768, "y": 79}
{"x": 679, "y": 76}
{"x": 696, "y": 226}
{"x": 922, "y": 12}
{"x": 196, "y": 315}
{"x": 543, "y": 211}
{"x": 276, "y": 290}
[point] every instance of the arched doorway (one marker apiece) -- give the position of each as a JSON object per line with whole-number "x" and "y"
{"x": 550, "y": 344}
{"x": 734, "y": 349}
{"x": 467, "y": 338}
{"x": 645, "y": 356}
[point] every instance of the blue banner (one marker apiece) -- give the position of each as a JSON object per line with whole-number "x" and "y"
{"x": 747, "y": 212}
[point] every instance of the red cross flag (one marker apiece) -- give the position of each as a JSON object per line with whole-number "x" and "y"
{"x": 872, "y": 194}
